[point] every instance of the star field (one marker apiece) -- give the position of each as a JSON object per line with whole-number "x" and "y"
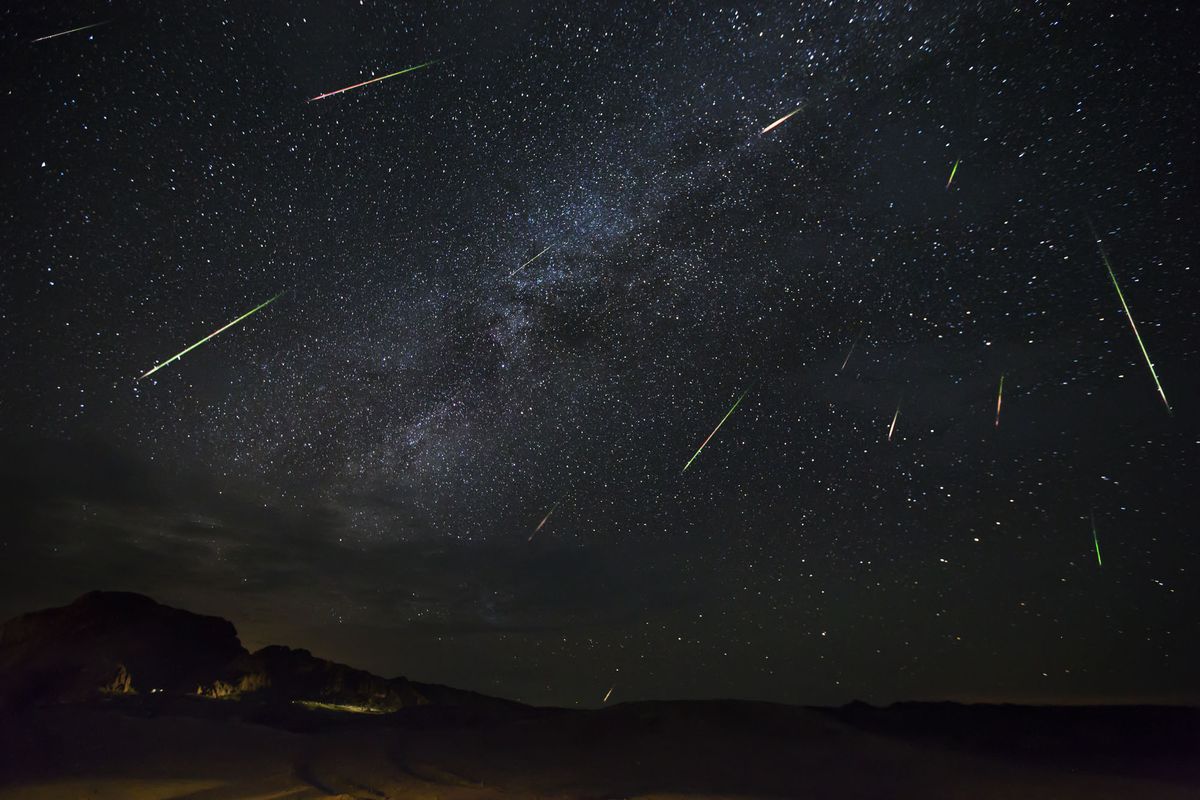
{"x": 358, "y": 467}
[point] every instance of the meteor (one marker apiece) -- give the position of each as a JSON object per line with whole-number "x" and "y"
{"x": 73, "y": 30}
{"x": 211, "y": 335}
{"x": 953, "y": 171}
{"x": 847, "y": 361}
{"x": 530, "y": 261}
{"x": 892, "y": 429}
{"x": 543, "y": 522}
{"x": 999, "y": 399}
{"x": 373, "y": 80}
{"x": 779, "y": 121}
{"x": 1112, "y": 275}
{"x": 714, "y": 432}
{"x": 1096, "y": 540}
{"x": 605, "y": 700}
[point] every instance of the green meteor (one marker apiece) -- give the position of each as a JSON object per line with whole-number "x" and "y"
{"x": 728, "y": 414}
{"x": 953, "y": 172}
{"x": 1113, "y": 276}
{"x": 1096, "y": 541}
{"x": 211, "y": 335}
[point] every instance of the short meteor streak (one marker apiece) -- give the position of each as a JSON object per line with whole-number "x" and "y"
{"x": 1112, "y": 275}
{"x": 543, "y": 522}
{"x": 211, "y": 335}
{"x": 1096, "y": 541}
{"x": 610, "y": 691}
{"x": 373, "y": 80}
{"x": 953, "y": 172}
{"x": 779, "y": 121}
{"x": 892, "y": 428}
{"x": 851, "y": 352}
{"x": 73, "y": 30}
{"x": 999, "y": 400}
{"x": 530, "y": 261}
{"x": 728, "y": 414}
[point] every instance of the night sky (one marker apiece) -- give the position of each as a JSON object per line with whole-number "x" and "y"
{"x": 358, "y": 467}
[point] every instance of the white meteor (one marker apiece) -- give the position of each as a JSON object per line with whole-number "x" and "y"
{"x": 73, "y": 30}
{"x": 530, "y": 261}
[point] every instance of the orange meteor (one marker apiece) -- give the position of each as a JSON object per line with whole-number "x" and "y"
{"x": 779, "y": 121}
{"x": 543, "y": 522}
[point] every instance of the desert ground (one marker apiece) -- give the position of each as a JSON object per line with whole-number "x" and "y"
{"x": 126, "y": 751}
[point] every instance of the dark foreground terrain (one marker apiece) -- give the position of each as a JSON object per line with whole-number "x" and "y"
{"x": 283, "y": 724}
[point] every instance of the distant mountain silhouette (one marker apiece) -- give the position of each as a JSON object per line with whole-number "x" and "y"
{"x": 119, "y": 643}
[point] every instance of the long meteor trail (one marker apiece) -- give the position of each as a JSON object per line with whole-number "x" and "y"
{"x": 181, "y": 354}
{"x": 73, "y": 30}
{"x": 892, "y": 427}
{"x": 373, "y": 80}
{"x": 608, "y": 695}
{"x": 1096, "y": 541}
{"x": 530, "y": 261}
{"x": 1113, "y": 276}
{"x": 999, "y": 400}
{"x": 779, "y": 121}
{"x": 728, "y": 414}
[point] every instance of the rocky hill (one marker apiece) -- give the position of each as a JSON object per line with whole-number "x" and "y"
{"x": 117, "y": 643}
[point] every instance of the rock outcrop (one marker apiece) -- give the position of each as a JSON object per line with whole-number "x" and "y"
{"x": 122, "y": 683}
{"x": 246, "y": 685}
{"x": 114, "y": 641}
{"x": 109, "y": 644}
{"x": 300, "y": 674}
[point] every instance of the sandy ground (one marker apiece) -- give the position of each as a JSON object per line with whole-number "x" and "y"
{"x": 643, "y": 752}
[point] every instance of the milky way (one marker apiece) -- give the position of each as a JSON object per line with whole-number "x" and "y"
{"x": 358, "y": 470}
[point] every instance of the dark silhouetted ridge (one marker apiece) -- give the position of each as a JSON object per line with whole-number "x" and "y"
{"x": 109, "y": 644}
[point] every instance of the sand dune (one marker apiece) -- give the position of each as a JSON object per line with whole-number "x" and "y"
{"x": 658, "y": 750}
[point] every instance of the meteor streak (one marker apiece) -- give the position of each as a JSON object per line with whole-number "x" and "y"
{"x": 543, "y": 522}
{"x": 1096, "y": 541}
{"x": 211, "y": 335}
{"x": 779, "y": 121}
{"x": 1112, "y": 275}
{"x": 374, "y": 80}
{"x": 892, "y": 429}
{"x": 999, "y": 399}
{"x": 530, "y": 261}
{"x": 953, "y": 171}
{"x": 605, "y": 700}
{"x": 714, "y": 432}
{"x": 851, "y": 352}
{"x": 73, "y": 30}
